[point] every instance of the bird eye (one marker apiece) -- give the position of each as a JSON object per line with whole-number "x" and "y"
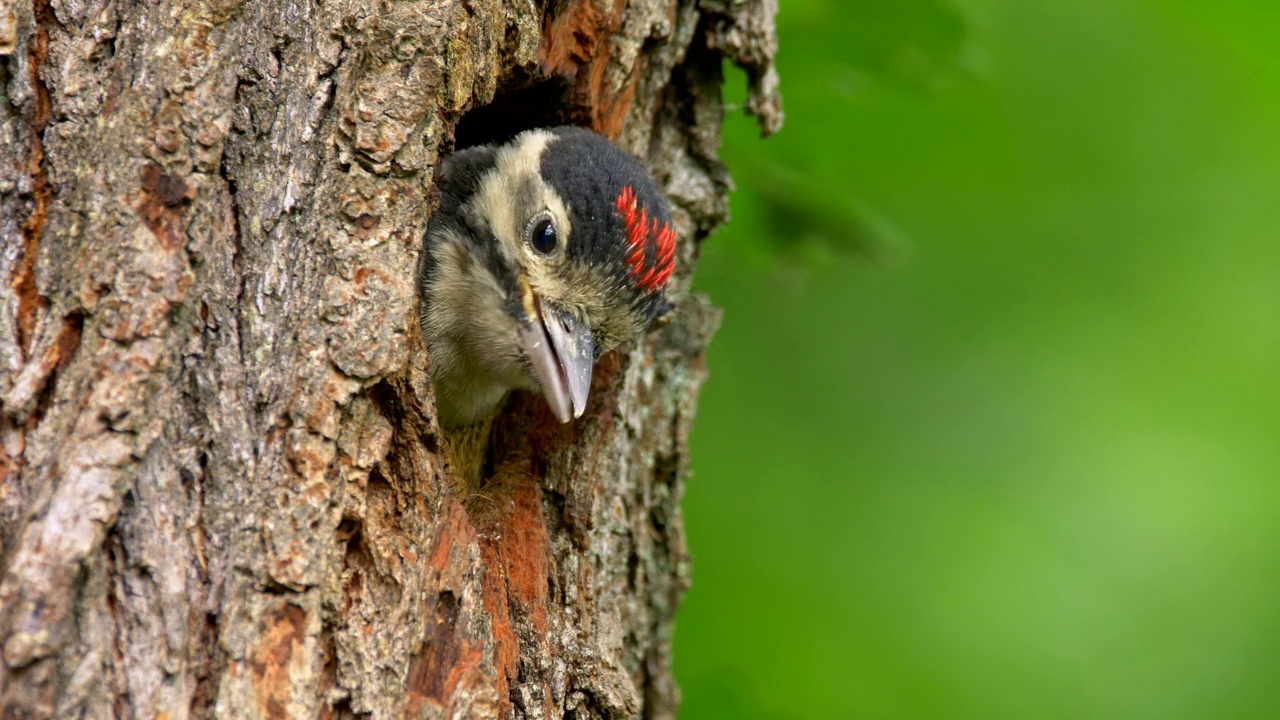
{"x": 544, "y": 238}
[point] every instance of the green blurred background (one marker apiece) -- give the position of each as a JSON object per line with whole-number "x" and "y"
{"x": 993, "y": 424}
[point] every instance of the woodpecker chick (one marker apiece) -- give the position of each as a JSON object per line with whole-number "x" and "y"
{"x": 544, "y": 253}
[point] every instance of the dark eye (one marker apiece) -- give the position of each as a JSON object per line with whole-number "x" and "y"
{"x": 544, "y": 238}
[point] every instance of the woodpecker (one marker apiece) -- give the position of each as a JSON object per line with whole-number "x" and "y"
{"x": 544, "y": 253}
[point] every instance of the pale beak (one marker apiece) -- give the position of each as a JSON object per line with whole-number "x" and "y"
{"x": 561, "y": 351}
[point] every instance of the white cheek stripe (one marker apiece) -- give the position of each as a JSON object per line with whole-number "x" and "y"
{"x": 517, "y": 165}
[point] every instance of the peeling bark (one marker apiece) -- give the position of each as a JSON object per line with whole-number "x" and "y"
{"x": 221, "y": 486}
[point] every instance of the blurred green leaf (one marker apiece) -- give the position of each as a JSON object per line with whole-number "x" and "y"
{"x": 804, "y": 218}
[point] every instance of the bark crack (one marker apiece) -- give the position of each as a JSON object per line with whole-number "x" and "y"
{"x": 237, "y": 249}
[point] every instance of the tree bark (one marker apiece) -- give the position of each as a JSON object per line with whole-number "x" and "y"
{"x": 221, "y": 486}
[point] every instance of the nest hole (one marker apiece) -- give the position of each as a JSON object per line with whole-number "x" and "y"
{"x": 523, "y": 105}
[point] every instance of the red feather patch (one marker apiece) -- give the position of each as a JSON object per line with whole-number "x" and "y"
{"x": 645, "y": 238}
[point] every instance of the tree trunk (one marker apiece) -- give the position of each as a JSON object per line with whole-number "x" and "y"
{"x": 221, "y": 486}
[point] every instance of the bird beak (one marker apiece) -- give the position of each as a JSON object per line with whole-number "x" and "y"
{"x": 561, "y": 350}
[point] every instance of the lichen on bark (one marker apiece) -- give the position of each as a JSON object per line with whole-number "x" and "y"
{"x": 221, "y": 486}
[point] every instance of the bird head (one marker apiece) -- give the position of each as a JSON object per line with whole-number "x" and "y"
{"x": 544, "y": 253}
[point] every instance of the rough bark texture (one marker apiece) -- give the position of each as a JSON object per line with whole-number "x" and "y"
{"x": 221, "y": 490}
